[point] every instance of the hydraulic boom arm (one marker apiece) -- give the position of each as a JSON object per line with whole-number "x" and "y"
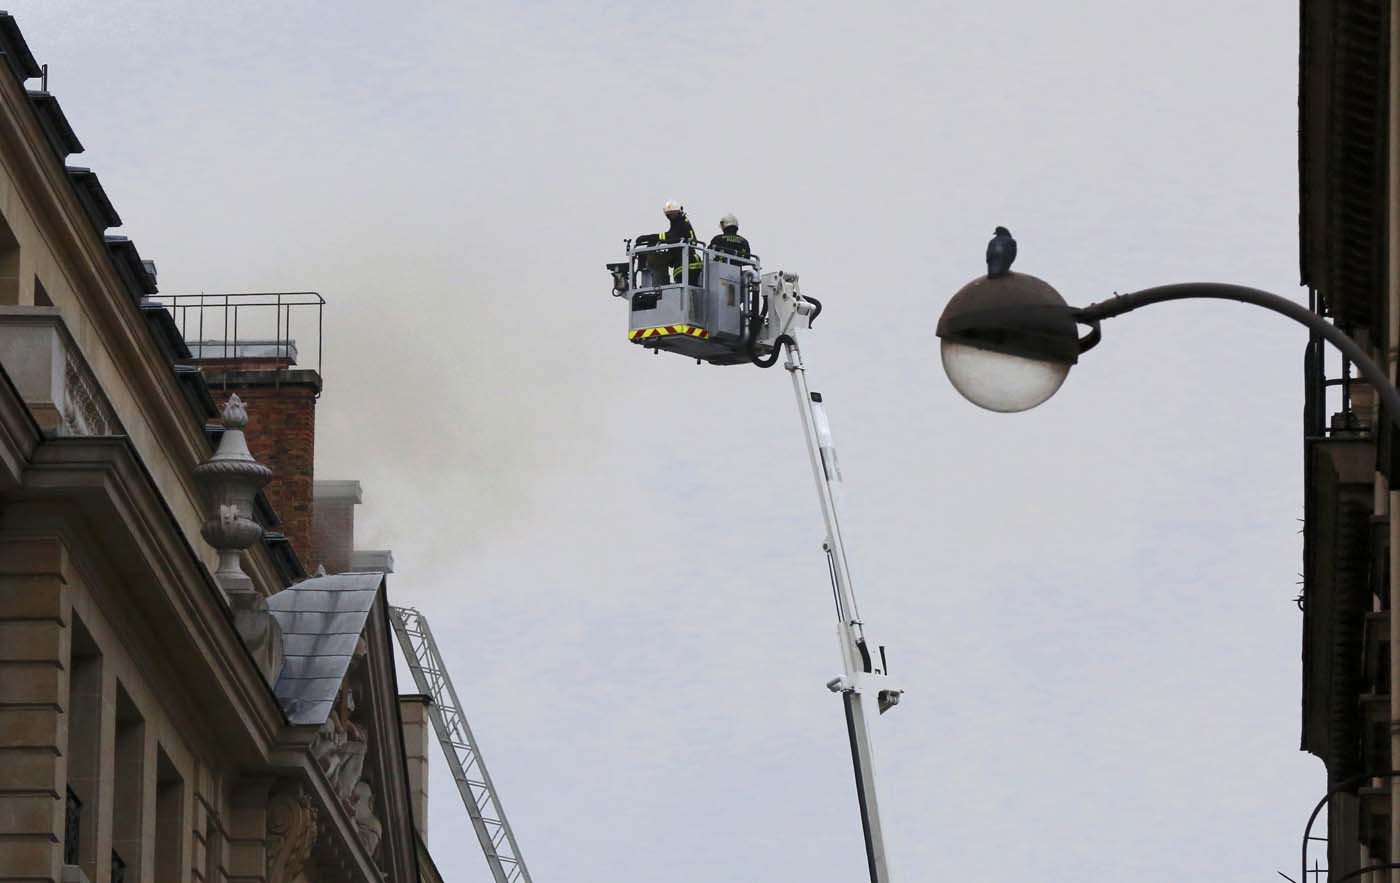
{"x": 739, "y": 315}
{"x": 865, "y": 678}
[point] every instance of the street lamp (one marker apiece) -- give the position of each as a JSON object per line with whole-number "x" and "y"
{"x": 1009, "y": 340}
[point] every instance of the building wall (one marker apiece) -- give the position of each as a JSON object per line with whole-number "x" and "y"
{"x": 34, "y": 650}
{"x": 1349, "y": 163}
{"x": 60, "y": 251}
{"x": 152, "y": 739}
{"x": 1393, "y": 361}
{"x": 141, "y": 733}
{"x": 86, "y": 705}
{"x": 125, "y": 670}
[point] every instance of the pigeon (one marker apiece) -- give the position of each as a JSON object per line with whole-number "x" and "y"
{"x": 1001, "y": 251}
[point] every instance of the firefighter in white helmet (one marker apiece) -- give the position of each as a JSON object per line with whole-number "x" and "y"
{"x": 681, "y": 232}
{"x": 729, "y": 240}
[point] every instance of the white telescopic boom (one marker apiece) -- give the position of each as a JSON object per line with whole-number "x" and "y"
{"x": 863, "y": 677}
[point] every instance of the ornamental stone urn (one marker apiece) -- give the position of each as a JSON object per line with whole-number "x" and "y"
{"x": 231, "y": 480}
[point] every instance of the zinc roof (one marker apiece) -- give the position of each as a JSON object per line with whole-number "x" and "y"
{"x": 322, "y": 619}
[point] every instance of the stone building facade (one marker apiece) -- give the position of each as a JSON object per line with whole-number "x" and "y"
{"x": 179, "y": 700}
{"x": 1349, "y": 212}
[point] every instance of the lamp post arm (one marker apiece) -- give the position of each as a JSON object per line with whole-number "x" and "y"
{"x": 1372, "y": 373}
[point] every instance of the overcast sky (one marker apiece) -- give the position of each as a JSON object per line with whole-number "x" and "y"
{"x": 1091, "y": 604}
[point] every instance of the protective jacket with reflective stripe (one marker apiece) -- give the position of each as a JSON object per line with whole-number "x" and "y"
{"x": 682, "y": 231}
{"x": 731, "y": 243}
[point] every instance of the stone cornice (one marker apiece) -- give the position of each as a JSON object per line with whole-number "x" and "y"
{"x": 180, "y": 601}
{"x": 337, "y": 490}
{"x": 45, "y": 189}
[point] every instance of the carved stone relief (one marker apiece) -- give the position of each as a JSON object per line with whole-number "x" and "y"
{"x": 340, "y": 749}
{"x": 291, "y": 833}
{"x": 366, "y": 822}
{"x": 340, "y": 746}
{"x": 84, "y": 412}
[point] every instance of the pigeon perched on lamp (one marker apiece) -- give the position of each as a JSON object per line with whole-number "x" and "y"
{"x": 1001, "y": 251}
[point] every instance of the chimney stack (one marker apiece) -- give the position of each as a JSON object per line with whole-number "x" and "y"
{"x": 333, "y": 528}
{"x": 333, "y": 534}
{"x": 413, "y": 709}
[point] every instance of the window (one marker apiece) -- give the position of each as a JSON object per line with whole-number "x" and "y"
{"x": 170, "y": 818}
{"x": 84, "y": 750}
{"x": 72, "y": 830}
{"x": 128, "y": 787}
{"x": 9, "y": 265}
{"x": 213, "y": 846}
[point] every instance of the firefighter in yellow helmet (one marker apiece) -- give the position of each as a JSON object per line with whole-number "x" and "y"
{"x": 681, "y": 232}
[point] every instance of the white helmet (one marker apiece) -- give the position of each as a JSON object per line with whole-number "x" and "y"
{"x": 671, "y": 206}
{"x": 728, "y": 221}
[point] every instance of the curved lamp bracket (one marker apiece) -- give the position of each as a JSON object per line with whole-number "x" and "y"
{"x": 1090, "y": 340}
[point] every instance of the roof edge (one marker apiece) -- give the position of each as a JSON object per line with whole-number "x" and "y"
{"x": 16, "y": 49}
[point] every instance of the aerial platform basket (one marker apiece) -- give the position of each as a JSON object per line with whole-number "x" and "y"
{"x": 715, "y": 321}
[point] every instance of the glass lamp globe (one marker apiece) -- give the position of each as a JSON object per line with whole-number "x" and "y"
{"x": 1008, "y": 341}
{"x": 1000, "y": 381}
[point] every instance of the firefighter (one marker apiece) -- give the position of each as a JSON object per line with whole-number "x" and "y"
{"x": 729, "y": 241}
{"x": 681, "y": 232}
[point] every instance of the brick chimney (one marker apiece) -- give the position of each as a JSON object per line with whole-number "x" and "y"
{"x": 281, "y": 400}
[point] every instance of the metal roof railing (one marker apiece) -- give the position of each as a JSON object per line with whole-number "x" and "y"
{"x": 251, "y": 325}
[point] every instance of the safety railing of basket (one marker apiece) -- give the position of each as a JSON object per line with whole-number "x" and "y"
{"x": 709, "y": 254}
